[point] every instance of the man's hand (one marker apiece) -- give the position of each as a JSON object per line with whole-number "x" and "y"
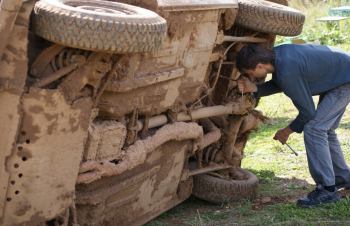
{"x": 246, "y": 86}
{"x": 282, "y": 135}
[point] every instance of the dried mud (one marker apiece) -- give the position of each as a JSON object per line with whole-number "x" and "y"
{"x": 137, "y": 153}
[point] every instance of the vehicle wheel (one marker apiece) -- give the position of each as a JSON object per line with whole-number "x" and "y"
{"x": 269, "y": 17}
{"x": 219, "y": 190}
{"x": 99, "y": 25}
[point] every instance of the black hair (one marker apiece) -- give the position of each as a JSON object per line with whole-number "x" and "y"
{"x": 251, "y": 55}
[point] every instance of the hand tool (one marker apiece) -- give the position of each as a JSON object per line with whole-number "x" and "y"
{"x": 292, "y": 149}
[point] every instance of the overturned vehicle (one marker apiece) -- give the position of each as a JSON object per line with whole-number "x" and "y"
{"x": 114, "y": 112}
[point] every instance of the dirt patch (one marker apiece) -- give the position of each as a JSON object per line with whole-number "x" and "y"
{"x": 260, "y": 203}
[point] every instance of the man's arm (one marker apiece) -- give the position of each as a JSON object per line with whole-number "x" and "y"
{"x": 260, "y": 90}
{"x": 307, "y": 111}
{"x": 298, "y": 90}
{"x": 266, "y": 89}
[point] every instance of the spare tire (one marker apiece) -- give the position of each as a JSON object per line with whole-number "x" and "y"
{"x": 219, "y": 190}
{"x": 269, "y": 17}
{"x": 99, "y": 25}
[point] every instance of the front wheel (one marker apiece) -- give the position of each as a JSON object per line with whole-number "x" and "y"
{"x": 99, "y": 25}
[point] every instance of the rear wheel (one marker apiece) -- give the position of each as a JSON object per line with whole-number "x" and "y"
{"x": 269, "y": 17}
{"x": 99, "y": 25}
{"x": 242, "y": 184}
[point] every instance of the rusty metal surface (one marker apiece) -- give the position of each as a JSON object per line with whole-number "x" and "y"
{"x": 234, "y": 107}
{"x": 13, "y": 73}
{"x": 44, "y": 59}
{"x": 87, "y": 79}
{"x": 45, "y": 163}
{"x": 136, "y": 154}
{"x": 174, "y": 75}
{"x": 105, "y": 141}
{"x": 9, "y": 10}
{"x": 144, "y": 191}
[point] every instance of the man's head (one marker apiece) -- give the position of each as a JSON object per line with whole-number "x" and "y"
{"x": 255, "y": 61}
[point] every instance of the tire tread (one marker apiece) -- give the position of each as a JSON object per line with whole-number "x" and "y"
{"x": 265, "y": 17}
{"x": 95, "y": 33}
{"x": 217, "y": 190}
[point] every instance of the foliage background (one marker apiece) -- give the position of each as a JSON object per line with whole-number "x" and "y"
{"x": 332, "y": 33}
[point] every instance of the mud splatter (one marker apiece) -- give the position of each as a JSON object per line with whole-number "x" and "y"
{"x": 22, "y": 209}
{"x": 36, "y": 109}
{"x": 137, "y": 153}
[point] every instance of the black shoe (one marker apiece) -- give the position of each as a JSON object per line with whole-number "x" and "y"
{"x": 317, "y": 197}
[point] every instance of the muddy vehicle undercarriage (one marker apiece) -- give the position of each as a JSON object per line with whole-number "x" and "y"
{"x": 114, "y": 112}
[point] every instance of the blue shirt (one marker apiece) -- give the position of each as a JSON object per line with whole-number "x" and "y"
{"x": 302, "y": 71}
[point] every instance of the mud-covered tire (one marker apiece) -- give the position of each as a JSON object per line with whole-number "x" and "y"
{"x": 219, "y": 190}
{"x": 269, "y": 17}
{"x": 104, "y": 26}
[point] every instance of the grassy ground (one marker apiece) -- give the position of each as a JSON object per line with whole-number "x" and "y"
{"x": 283, "y": 176}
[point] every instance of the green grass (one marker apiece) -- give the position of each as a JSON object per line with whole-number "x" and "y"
{"x": 289, "y": 214}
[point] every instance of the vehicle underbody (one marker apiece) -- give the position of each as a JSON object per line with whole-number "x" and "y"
{"x": 96, "y": 133}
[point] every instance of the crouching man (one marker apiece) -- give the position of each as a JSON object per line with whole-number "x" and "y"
{"x": 302, "y": 71}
